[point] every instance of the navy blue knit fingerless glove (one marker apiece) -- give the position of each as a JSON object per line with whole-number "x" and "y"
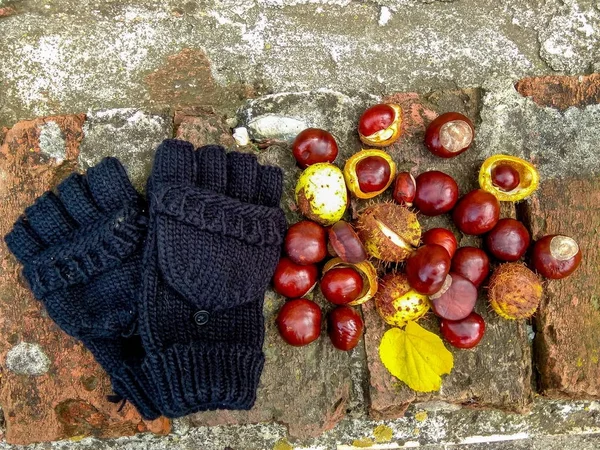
{"x": 214, "y": 240}
{"x": 81, "y": 253}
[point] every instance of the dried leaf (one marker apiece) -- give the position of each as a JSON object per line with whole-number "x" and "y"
{"x": 416, "y": 357}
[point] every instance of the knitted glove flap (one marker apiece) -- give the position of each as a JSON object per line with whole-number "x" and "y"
{"x": 81, "y": 253}
{"x": 214, "y": 240}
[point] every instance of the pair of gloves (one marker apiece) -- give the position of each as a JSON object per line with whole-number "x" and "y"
{"x": 167, "y": 295}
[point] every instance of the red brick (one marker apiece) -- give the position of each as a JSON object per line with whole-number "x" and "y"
{"x": 568, "y": 322}
{"x": 203, "y": 127}
{"x": 185, "y": 79}
{"x": 561, "y": 92}
{"x": 7, "y": 11}
{"x": 70, "y": 399}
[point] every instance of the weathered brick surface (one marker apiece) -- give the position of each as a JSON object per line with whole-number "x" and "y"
{"x": 202, "y": 127}
{"x": 55, "y": 389}
{"x": 568, "y": 322}
{"x": 497, "y": 372}
{"x": 561, "y": 92}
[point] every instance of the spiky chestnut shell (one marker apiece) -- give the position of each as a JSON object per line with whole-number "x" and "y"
{"x": 514, "y": 291}
{"x": 397, "y": 303}
{"x": 389, "y": 232}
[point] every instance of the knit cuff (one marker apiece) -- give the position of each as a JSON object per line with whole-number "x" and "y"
{"x": 216, "y": 213}
{"x": 199, "y": 377}
{"x": 128, "y": 381}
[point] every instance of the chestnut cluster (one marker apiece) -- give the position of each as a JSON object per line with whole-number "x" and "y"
{"x": 437, "y": 274}
{"x": 347, "y": 280}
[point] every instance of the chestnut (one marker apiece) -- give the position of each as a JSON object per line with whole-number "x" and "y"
{"x": 555, "y": 256}
{"x": 366, "y": 270}
{"x": 449, "y": 135}
{"x": 508, "y": 240}
{"x": 505, "y": 177}
{"x": 405, "y": 188}
{"x": 508, "y": 177}
{"x": 443, "y": 237}
{"x": 380, "y": 125}
{"x": 294, "y": 280}
{"x": 299, "y": 322}
{"x": 345, "y": 327}
{"x": 369, "y": 172}
{"x": 436, "y": 193}
{"x": 465, "y": 333}
{"x": 472, "y": 263}
{"x": 345, "y": 243}
{"x": 476, "y": 212}
{"x": 305, "y": 242}
{"x": 456, "y": 299}
{"x": 427, "y": 267}
{"x": 342, "y": 285}
{"x": 314, "y": 145}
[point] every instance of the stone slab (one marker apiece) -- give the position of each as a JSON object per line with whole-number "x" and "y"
{"x": 568, "y": 323}
{"x": 51, "y": 386}
{"x": 129, "y": 134}
{"x": 496, "y": 373}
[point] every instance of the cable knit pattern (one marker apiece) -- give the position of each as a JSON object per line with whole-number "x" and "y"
{"x": 214, "y": 239}
{"x": 81, "y": 250}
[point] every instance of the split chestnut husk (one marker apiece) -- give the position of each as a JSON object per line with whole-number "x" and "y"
{"x": 528, "y": 178}
{"x": 398, "y": 303}
{"x": 388, "y": 231}
{"x": 368, "y": 273}
{"x": 369, "y": 172}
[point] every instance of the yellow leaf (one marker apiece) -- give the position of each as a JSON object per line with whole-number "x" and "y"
{"x": 415, "y": 356}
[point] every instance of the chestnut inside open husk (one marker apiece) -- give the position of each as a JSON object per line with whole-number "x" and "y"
{"x": 388, "y": 231}
{"x": 369, "y": 172}
{"x": 528, "y": 179}
{"x": 368, "y": 273}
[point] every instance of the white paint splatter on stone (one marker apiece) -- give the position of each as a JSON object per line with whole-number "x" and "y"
{"x": 27, "y": 359}
{"x": 241, "y": 137}
{"x": 52, "y": 142}
{"x": 384, "y": 15}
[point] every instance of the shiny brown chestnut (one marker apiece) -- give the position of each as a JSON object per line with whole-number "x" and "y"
{"x": 345, "y": 243}
{"x": 427, "y": 267}
{"x": 505, "y": 177}
{"x": 443, "y": 237}
{"x": 456, "y": 299}
{"x": 314, "y": 145}
{"x": 556, "y": 256}
{"x": 342, "y": 285}
{"x": 405, "y": 188}
{"x": 299, "y": 322}
{"x": 472, "y": 263}
{"x": 294, "y": 280}
{"x": 465, "y": 333}
{"x": 306, "y": 242}
{"x": 508, "y": 240}
{"x": 345, "y": 327}
{"x": 436, "y": 193}
{"x": 449, "y": 135}
{"x": 476, "y": 212}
